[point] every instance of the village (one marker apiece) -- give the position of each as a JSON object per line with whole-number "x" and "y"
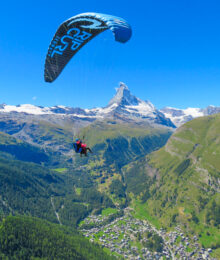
{"x": 129, "y": 238}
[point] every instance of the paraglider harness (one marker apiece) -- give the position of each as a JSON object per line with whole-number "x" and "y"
{"x": 77, "y": 146}
{"x": 80, "y": 147}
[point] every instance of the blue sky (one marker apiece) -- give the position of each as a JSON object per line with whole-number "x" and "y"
{"x": 172, "y": 59}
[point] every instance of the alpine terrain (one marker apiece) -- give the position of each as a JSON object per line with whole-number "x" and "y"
{"x": 148, "y": 190}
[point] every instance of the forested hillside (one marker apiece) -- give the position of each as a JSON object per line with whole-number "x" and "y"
{"x": 32, "y": 238}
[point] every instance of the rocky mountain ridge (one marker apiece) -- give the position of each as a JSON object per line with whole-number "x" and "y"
{"x": 181, "y": 116}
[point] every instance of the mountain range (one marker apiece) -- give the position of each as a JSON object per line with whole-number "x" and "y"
{"x": 123, "y": 106}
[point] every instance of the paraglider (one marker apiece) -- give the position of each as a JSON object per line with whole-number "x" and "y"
{"x": 81, "y": 147}
{"x": 74, "y": 33}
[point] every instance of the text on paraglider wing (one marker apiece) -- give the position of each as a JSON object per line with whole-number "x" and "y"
{"x": 74, "y": 38}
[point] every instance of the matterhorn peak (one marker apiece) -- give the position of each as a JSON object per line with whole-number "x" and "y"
{"x": 123, "y": 96}
{"x": 123, "y": 85}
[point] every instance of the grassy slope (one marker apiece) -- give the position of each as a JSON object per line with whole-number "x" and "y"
{"x": 54, "y": 133}
{"x": 99, "y": 131}
{"x": 115, "y": 145}
{"x": 187, "y": 190}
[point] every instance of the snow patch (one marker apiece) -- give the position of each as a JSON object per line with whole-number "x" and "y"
{"x": 181, "y": 116}
{"x": 194, "y": 112}
{"x": 26, "y": 108}
{"x": 143, "y": 108}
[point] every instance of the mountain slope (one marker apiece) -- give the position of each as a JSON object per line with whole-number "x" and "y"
{"x": 48, "y": 192}
{"x": 37, "y": 191}
{"x": 115, "y": 145}
{"x": 47, "y": 132}
{"x": 186, "y": 181}
{"x": 21, "y": 150}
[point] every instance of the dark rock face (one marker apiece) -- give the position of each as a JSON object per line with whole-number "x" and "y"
{"x": 10, "y": 126}
{"x": 210, "y": 110}
{"x": 124, "y": 97}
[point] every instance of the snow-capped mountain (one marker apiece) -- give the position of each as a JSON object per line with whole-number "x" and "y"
{"x": 181, "y": 116}
{"x": 123, "y": 106}
{"x": 123, "y": 97}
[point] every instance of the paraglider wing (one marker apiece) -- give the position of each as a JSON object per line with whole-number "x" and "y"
{"x": 74, "y": 33}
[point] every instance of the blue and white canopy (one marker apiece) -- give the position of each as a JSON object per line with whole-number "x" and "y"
{"x": 74, "y": 33}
